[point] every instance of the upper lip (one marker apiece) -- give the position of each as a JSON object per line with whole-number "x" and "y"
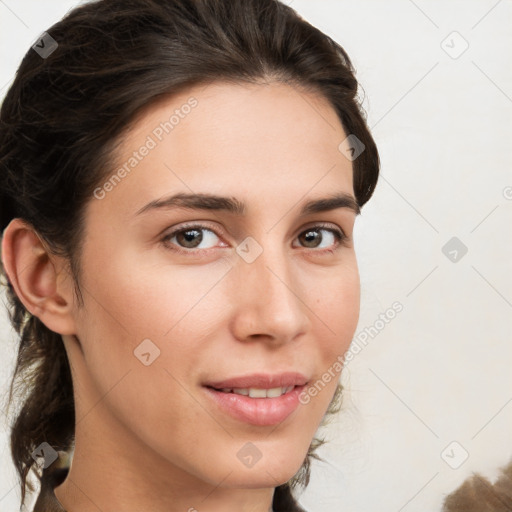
{"x": 261, "y": 381}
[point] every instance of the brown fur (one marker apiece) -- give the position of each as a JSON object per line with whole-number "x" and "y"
{"x": 477, "y": 494}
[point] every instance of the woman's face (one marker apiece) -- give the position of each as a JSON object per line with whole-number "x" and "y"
{"x": 180, "y": 295}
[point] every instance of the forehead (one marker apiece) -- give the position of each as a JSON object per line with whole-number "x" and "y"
{"x": 236, "y": 138}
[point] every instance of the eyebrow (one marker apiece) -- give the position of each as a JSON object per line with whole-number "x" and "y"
{"x": 236, "y": 207}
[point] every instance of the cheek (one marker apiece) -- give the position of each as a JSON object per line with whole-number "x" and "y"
{"x": 129, "y": 301}
{"x": 337, "y": 306}
{"x": 139, "y": 292}
{"x": 126, "y": 303}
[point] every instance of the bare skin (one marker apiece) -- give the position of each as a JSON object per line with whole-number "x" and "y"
{"x": 148, "y": 437}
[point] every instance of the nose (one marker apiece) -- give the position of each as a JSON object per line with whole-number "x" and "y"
{"x": 270, "y": 302}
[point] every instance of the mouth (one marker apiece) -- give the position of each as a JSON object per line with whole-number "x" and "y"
{"x": 257, "y": 392}
{"x": 260, "y": 381}
{"x": 258, "y": 399}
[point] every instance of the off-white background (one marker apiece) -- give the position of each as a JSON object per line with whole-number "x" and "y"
{"x": 440, "y": 371}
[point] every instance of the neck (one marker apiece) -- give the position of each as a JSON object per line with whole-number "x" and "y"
{"x": 104, "y": 477}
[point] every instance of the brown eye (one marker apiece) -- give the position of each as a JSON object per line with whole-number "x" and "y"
{"x": 319, "y": 237}
{"x": 191, "y": 238}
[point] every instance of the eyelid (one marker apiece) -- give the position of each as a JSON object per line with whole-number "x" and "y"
{"x": 323, "y": 225}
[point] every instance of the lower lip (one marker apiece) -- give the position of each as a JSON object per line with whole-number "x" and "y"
{"x": 257, "y": 411}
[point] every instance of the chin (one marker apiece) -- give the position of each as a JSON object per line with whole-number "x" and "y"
{"x": 263, "y": 478}
{"x": 276, "y": 466}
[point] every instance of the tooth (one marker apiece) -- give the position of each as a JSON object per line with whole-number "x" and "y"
{"x": 272, "y": 393}
{"x": 257, "y": 393}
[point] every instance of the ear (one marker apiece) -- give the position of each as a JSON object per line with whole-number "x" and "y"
{"x": 40, "y": 279}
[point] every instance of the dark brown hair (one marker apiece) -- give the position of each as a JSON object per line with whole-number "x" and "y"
{"x": 65, "y": 112}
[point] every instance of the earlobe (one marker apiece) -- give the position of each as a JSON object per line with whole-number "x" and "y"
{"x": 37, "y": 277}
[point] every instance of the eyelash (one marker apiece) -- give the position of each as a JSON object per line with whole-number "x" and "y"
{"x": 340, "y": 236}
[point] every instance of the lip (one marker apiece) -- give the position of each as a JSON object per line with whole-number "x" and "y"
{"x": 258, "y": 411}
{"x": 261, "y": 381}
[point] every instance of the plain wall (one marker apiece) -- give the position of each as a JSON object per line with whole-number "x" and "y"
{"x": 439, "y": 371}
